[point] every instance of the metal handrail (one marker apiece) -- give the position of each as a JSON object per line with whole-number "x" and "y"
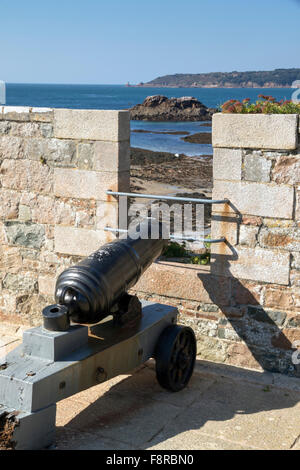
{"x": 168, "y": 198}
{"x": 172, "y": 237}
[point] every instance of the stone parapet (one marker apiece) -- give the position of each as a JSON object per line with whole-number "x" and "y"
{"x": 255, "y": 131}
{"x": 55, "y": 168}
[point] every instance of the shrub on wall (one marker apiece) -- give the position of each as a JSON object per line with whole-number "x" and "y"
{"x": 264, "y": 105}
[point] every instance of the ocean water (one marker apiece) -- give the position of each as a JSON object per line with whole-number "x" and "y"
{"x": 122, "y": 97}
{"x": 167, "y": 142}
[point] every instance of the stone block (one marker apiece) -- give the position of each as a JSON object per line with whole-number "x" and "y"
{"x": 88, "y": 184}
{"x": 246, "y": 292}
{"x": 10, "y": 259}
{"x": 16, "y": 113}
{"x": 25, "y": 213}
{"x": 227, "y": 164}
{"x": 3, "y": 238}
{"x": 20, "y": 282}
{"x": 9, "y": 204}
{"x": 107, "y": 215}
{"x": 251, "y": 264}
{"x": 40, "y": 208}
{"x": 254, "y": 264}
{"x": 296, "y": 261}
{"x": 85, "y": 156}
{"x": 285, "y": 239}
{"x": 293, "y": 320}
{"x": 287, "y": 170}
{"x": 278, "y": 223}
{"x": 53, "y": 152}
{"x": 248, "y": 235}
{"x": 258, "y": 131}
{"x": 257, "y": 168}
{"x": 225, "y": 225}
{"x": 91, "y": 124}
{"x": 85, "y": 213}
{"x": 297, "y": 208}
{"x": 278, "y": 298}
{"x": 112, "y": 156}
{"x": 211, "y": 349}
{"x": 25, "y": 129}
{"x": 251, "y": 220}
{"x": 46, "y": 130}
{"x": 42, "y": 114}
{"x": 266, "y": 200}
{"x": 26, "y": 175}
{"x": 79, "y": 241}
{"x": 190, "y": 283}
{"x": 266, "y": 316}
{"x": 46, "y": 285}
{"x": 5, "y": 127}
{"x": 295, "y": 279}
{"x": 285, "y": 339}
{"x": 239, "y": 355}
{"x": 11, "y": 147}
{"x": 7, "y": 303}
{"x": 25, "y": 234}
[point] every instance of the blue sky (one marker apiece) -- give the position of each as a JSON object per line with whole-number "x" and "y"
{"x": 115, "y": 41}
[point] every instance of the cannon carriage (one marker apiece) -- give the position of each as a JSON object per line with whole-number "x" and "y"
{"x": 94, "y": 332}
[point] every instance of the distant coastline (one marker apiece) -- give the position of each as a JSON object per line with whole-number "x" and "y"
{"x": 278, "y": 78}
{"x": 146, "y": 85}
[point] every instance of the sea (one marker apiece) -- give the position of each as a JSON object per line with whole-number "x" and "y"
{"x": 124, "y": 97}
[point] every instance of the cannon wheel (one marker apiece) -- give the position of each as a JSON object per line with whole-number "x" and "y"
{"x": 175, "y": 357}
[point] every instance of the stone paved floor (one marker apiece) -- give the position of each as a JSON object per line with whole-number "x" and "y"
{"x": 222, "y": 408}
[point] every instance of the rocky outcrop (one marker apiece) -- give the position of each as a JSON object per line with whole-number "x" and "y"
{"x": 161, "y": 108}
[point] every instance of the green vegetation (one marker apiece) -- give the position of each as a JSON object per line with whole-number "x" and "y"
{"x": 176, "y": 250}
{"x": 265, "y": 105}
{"x": 258, "y": 79}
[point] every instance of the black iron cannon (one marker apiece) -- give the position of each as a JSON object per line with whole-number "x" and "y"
{"x": 65, "y": 356}
{"x": 98, "y": 285}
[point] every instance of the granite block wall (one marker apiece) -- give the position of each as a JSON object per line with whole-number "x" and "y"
{"x": 55, "y": 168}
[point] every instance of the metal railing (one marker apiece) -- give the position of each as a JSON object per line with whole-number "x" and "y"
{"x": 172, "y": 237}
{"x": 170, "y": 198}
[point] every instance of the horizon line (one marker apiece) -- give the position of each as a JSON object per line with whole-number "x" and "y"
{"x": 137, "y": 85}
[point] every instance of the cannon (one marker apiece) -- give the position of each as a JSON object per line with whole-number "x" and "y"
{"x": 94, "y": 332}
{"x": 97, "y": 287}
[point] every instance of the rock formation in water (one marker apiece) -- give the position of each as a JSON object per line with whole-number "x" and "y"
{"x": 161, "y": 108}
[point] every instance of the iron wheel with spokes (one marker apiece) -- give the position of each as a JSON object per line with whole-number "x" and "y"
{"x": 175, "y": 357}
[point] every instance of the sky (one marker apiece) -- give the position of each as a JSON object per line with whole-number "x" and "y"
{"x": 116, "y": 41}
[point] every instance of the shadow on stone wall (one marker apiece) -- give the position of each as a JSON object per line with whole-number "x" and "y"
{"x": 260, "y": 329}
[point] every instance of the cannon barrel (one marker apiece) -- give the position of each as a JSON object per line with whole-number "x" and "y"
{"x": 91, "y": 290}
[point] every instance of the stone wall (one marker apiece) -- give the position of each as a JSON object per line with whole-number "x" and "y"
{"x": 245, "y": 307}
{"x": 55, "y": 168}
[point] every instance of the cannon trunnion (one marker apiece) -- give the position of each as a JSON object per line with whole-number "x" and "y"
{"x": 65, "y": 356}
